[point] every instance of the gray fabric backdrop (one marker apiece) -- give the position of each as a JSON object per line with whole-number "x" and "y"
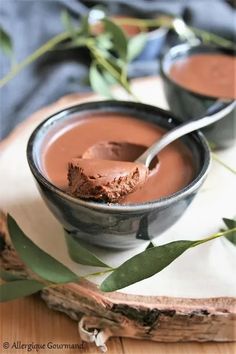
{"x": 30, "y": 23}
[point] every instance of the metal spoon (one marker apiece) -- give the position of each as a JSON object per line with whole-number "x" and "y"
{"x": 184, "y": 32}
{"x": 218, "y": 111}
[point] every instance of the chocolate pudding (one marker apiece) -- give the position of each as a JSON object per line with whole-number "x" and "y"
{"x": 104, "y": 180}
{"x": 89, "y": 136}
{"x": 212, "y": 75}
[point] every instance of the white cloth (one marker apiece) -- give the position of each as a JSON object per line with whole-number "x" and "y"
{"x": 205, "y": 271}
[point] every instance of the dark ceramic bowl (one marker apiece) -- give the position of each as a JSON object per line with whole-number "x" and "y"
{"x": 116, "y": 226}
{"x": 187, "y": 104}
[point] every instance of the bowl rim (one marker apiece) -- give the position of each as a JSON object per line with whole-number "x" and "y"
{"x": 122, "y": 208}
{"x": 181, "y": 50}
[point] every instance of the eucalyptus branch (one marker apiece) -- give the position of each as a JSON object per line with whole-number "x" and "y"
{"x": 50, "y": 273}
{"x": 103, "y": 62}
{"x": 214, "y": 236}
{"x": 34, "y": 56}
{"x": 214, "y": 38}
{"x": 120, "y": 78}
{"x": 193, "y": 244}
{"x": 167, "y": 22}
{"x": 152, "y": 261}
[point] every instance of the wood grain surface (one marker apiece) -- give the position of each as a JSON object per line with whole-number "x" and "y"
{"x": 28, "y": 321}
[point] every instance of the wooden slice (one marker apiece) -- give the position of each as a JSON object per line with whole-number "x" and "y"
{"x": 191, "y": 300}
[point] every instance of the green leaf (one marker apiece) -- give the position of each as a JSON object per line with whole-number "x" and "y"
{"x": 231, "y": 224}
{"x": 145, "y": 265}
{"x": 109, "y": 78}
{"x": 119, "y": 39}
{"x": 67, "y": 22}
{"x": 136, "y": 45}
{"x": 9, "y": 276}
{"x": 5, "y": 42}
{"x": 103, "y": 41}
{"x": 84, "y": 26}
{"x": 19, "y": 288}
{"x": 36, "y": 259}
{"x": 80, "y": 254}
{"x": 117, "y": 64}
{"x": 98, "y": 81}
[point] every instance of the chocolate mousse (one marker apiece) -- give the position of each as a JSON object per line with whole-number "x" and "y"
{"x": 104, "y": 180}
{"x": 114, "y": 136}
{"x": 207, "y": 74}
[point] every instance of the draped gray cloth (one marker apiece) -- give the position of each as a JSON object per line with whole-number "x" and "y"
{"x": 30, "y": 23}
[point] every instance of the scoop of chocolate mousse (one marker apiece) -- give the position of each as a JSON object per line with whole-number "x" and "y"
{"x": 104, "y": 180}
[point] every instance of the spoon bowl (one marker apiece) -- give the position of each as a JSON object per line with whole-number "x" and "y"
{"x": 118, "y": 151}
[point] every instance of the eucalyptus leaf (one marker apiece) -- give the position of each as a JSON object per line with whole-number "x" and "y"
{"x": 103, "y": 41}
{"x": 36, "y": 259}
{"x": 67, "y": 22}
{"x": 9, "y": 275}
{"x": 117, "y": 64}
{"x": 102, "y": 52}
{"x": 136, "y": 45}
{"x": 231, "y": 224}
{"x": 98, "y": 81}
{"x": 5, "y": 42}
{"x": 80, "y": 254}
{"x": 84, "y": 26}
{"x": 145, "y": 265}
{"x": 19, "y": 288}
{"x": 109, "y": 78}
{"x": 120, "y": 43}
{"x": 110, "y": 67}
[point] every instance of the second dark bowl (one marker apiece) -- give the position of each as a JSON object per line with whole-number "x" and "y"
{"x": 187, "y": 104}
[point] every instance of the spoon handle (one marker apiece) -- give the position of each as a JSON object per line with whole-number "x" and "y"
{"x": 216, "y": 112}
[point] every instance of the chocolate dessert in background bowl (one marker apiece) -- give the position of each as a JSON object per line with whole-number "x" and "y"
{"x": 60, "y": 148}
{"x": 194, "y": 78}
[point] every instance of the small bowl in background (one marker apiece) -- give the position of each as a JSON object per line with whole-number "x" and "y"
{"x": 187, "y": 104}
{"x": 154, "y": 45}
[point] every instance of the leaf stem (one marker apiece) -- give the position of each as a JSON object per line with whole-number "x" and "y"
{"x": 217, "y": 159}
{"x": 35, "y": 55}
{"x": 212, "y": 237}
{"x": 167, "y": 21}
{"x": 103, "y": 62}
{"x": 122, "y": 79}
{"x": 99, "y": 273}
{"x": 211, "y": 37}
